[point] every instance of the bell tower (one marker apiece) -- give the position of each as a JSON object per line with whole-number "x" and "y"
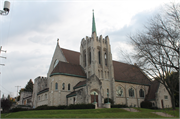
{"x": 96, "y": 58}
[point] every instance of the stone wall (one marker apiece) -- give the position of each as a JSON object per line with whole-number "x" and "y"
{"x": 42, "y": 99}
{"x": 128, "y": 100}
{"x": 161, "y": 97}
{"x": 23, "y": 95}
{"x": 58, "y": 96}
{"x": 40, "y": 83}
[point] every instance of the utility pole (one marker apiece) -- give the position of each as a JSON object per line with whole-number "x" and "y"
{"x": 4, "y": 12}
{"x": 2, "y": 56}
{"x": 17, "y": 91}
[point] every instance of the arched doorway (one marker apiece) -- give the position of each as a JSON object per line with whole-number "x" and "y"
{"x": 94, "y": 97}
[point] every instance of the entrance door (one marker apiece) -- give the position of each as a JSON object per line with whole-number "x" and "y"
{"x": 94, "y": 97}
{"x": 162, "y": 104}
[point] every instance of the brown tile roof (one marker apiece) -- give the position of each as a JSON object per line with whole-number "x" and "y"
{"x": 80, "y": 84}
{"x": 71, "y": 94}
{"x": 43, "y": 91}
{"x": 68, "y": 69}
{"x": 129, "y": 73}
{"x": 152, "y": 90}
{"x": 122, "y": 72}
{"x": 71, "y": 56}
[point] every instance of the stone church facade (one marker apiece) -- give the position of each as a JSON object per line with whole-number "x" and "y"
{"x": 91, "y": 76}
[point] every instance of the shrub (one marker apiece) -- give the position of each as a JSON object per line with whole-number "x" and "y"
{"x": 81, "y": 106}
{"x": 42, "y": 107}
{"x": 119, "y": 106}
{"x": 62, "y": 107}
{"x": 6, "y": 104}
{"x": 45, "y": 107}
{"x": 146, "y": 104}
{"x": 19, "y": 106}
{"x": 154, "y": 108}
{"x": 110, "y": 100}
{"x": 51, "y": 107}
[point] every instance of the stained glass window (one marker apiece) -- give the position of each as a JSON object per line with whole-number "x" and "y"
{"x": 119, "y": 91}
{"x": 131, "y": 92}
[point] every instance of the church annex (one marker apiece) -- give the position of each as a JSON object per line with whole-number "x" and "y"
{"x": 91, "y": 76}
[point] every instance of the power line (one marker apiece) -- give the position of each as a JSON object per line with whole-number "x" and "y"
{"x": 5, "y": 88}
{"x": 17, "y": 89}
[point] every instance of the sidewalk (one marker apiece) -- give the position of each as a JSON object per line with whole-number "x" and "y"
{"x": 158, "y": 113}
{"x": 163, "y": 114}
{"x": 130, "y": 109}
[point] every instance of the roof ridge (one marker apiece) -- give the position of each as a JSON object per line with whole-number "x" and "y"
{"x": 69, "y": 63}
{"x": 69, "y": 50}
{"x": 123, "y": 62}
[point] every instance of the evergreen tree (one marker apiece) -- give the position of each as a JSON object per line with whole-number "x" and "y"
{"x": 3, "y": 97}
{"x": 8, "y": 97}
{"x": 6, "y": 104}
{"x": 29, "y": 86}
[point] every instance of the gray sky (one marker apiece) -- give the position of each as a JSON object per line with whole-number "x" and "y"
{"x": 29, "y": 33}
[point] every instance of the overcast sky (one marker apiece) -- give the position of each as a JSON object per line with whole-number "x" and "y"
{"x": 29, "y": 33}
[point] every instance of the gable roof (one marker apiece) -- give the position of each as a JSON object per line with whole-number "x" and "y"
{"x": 129, "y": 74}
{"x": 71, "y": 94}
{"x": 152, "y": 90}
{"x": 122, "y": 72}
{"x": 71, "y": 56}
{"x": 43, "y": 91}
{"x": 80, "y": 84}
{"x": 69, "y": 69}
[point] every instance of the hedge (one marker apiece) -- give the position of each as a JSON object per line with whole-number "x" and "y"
{"x": 81, "y": 106}
{"x": 146, "y": 104}
{"x": 110, "y": 100}
{"x": 72, "y": 106}
{"x": 118, "y": 106}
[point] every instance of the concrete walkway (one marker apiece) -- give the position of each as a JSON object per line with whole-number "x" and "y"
{"x": 158, "y": 113}
{"x": 130, "y": 109}
{"x": 163, "y": 114}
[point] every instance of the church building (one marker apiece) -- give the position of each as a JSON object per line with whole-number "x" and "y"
{"x": 92, "y": 75}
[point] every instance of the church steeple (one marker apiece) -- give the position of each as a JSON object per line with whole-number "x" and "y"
{"x": 93, "y": 24}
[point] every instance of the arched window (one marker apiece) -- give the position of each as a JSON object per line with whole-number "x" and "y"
{"x": 74, "y": 100}
{"x": 131, "y": 92}
{"x": 105, "y": 58}
{"x": 141, "y": 93}
{"x": 56, "y": 85}
{"x": 56, "y": 62}
{"x": 63, "y": 86}
{"x": 119, "y": 91}
{"x": 85, "y": 60}
{"x": 99, "y": 57}
{"x": 94, "y": 93}
{"x": 68, "y": 86}
{"x": 89, "y": 57}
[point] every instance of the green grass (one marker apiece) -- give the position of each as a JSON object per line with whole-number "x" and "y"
{"x": 168, "y": 111}
{"x": 85, "y": 113}
{"x": 172, "y": 112}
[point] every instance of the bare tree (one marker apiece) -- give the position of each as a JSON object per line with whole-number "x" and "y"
{"x": 157, "y": 47}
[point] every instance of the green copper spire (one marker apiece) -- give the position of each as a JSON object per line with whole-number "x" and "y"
{"x": 93, "y": 24}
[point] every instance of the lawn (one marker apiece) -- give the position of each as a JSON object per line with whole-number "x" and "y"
{"x": 85, "y": 113}
{"x": 168, "y": 111}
